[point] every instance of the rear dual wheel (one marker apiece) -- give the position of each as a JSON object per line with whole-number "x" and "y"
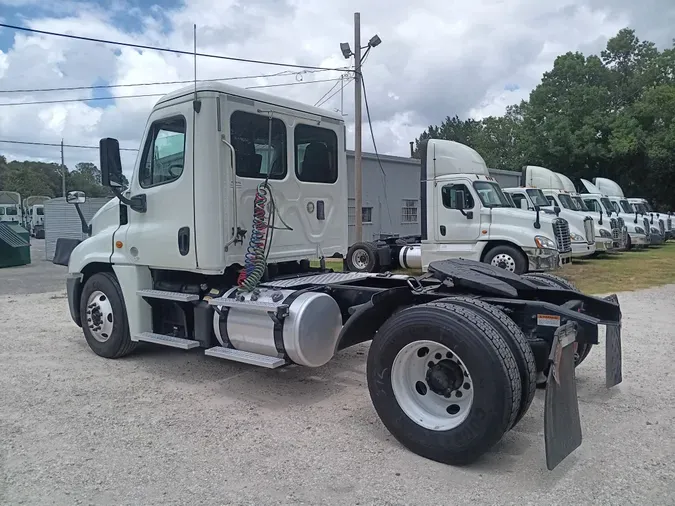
{"x": 444, "y": 381}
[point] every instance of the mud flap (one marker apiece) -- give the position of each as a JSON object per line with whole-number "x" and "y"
{"x": 613, "y": 367}
{"x": 562, "y": 423}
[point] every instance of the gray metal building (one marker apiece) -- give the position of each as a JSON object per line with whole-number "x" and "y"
{"x": 61, "y": 220}
{"x": 391, "y": 194}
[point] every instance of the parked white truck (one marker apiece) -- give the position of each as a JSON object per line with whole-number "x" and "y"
{"x": 582, "y": 230}
{"x": 465, "y": 214}
{"x": 10, "y": 207}
{"x": 210, "y": 249}
{"x": 34, "y": 215}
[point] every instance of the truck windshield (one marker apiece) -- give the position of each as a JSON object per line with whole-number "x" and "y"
{"x": 40, "y": 211}
{"x": 647, "y": 207}
{"x": 491, "y": 194}
{"x": 625, "y": 205}
{"x": 538, "y": 198}
{"x": 608, "y": 205}
{"x": 511, "y": 202}
{"x": 616, "y": 207}
{"x": 11, "y": 211}
{"x": 567, "y": 202}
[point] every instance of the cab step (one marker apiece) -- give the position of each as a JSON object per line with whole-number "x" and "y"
{"x": 167, "y": 295}
{"x": 174, "y": 342}
{"x": 245, "y": 357}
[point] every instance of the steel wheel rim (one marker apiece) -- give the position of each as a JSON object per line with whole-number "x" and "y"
{"x": 360, "y": 259}
{"x": 504, "y": 261}
{"x": 100, "y": 319}
{"x": 423, "y": 404}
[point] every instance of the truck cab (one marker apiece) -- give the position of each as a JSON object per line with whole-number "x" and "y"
{"x": 465, "y": 214}
{"x": 34, "y": 210}
{"x": 582, "y": 233}
{"x": 597, "y": 200}
{"x": 656, "y": 225}
{"x": 10, "y": 207}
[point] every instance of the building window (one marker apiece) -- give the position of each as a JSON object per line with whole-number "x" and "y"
{"x": 351, "y": 213}
{"x": 315, "y": 154}
{"x": 366, "y": 215}
{"x": 164, "y": 153}
{"x": 409, "y": 211}
{"x": 249, "y": 135}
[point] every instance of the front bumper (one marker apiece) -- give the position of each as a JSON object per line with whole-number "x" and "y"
{"x": 582, "y": 249}
{"x": 542, "y": 259}
{"x": 638, "y": 239}
{"x": 74, "y": 289}
{"x": 603, "y": 244}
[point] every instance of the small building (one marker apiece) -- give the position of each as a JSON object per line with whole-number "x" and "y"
{"x": 391, "y": 194}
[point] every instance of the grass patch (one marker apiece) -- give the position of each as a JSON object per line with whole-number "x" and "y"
{"x": 616, "y": 272}
{"x": 625, "y": 271}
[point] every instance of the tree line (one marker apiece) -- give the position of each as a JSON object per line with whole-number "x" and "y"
{"x": 40, "y": 178}
{"x": 611, "y": 115}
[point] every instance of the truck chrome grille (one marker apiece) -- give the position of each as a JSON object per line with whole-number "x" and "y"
{"x": 645, "y": 222}
{"x": 561, "y": 229}
{"x": 662, "y": 227}
{"x": 669, "y": 223}
{"x": 616, "y": 233}
{"x": 589, "y": 228}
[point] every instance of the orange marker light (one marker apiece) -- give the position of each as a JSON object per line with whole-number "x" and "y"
{"x": 119, "y": 244}
{"x": 483, "y": 232}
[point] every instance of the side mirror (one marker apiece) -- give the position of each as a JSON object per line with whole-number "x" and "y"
{"x": 458, "y": 204}
{"x": 76, "y": 197}
{"x": 524, "y": 205}
{"x": 111, "y": 166}
{"x": 556, "y": 210}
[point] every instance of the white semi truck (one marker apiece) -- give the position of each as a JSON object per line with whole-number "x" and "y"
{"x": 10, "y": 207}
{"x": 34, "y": 215}
{"x": 209, "y": 249}
{"x": 582, "y": 230}
{"x": 465, "y": 214}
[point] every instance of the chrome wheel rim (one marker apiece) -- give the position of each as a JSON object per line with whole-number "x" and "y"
{"x": 432, "y": 385}
{"x": 504, "y": 261}
{"x": 360, "y": 259}
{"x": 100, "y": 319}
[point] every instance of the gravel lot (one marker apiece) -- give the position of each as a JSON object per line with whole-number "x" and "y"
{"x": 37, "y": 277}
{"x": 169, "y": 427}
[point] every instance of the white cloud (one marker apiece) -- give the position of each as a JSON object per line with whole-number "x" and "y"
{"x": 436, "y": 59}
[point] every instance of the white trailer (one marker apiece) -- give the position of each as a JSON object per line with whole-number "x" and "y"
{"x": 465, "y": 214}
{"x": 212, "y": 252}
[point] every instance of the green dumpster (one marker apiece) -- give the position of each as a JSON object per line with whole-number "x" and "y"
{"x": 14, "y": 245}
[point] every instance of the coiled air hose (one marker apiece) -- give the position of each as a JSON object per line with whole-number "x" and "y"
{"x": 255, "y": 260}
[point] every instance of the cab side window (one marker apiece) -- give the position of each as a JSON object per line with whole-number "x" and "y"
{"x": 250, "y": 137}
{"x": 452, "y": 194}
{"x": 518, "y": 198}
{"x": 551, "y": 200}
{"x": 164, "y": 152}
{"x": 316, "y": 154}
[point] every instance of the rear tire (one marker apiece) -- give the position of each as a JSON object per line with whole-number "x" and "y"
{"x": 362, "y": 257}
{"x": 441, "y": 426}
{"x": 104, "y": 317}
{"x": 508, "y": 258}
{"x": 517, "y": 342}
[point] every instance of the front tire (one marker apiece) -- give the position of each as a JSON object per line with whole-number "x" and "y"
{"x": 508, "y": 258}
{"x": 443, "y": 381}
{"x": 104, "y": 317}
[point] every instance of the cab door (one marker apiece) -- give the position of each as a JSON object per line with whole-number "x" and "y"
{"x": 457, "y": 214}
{"x": 163, "y": 236}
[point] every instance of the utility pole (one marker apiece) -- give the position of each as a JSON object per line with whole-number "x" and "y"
{"x": 358, "y": 178}
{"x": 63, "y": 173}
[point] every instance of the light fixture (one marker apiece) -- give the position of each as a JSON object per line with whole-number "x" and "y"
{"x": 374, "y": 41}
{"x": 346, "y": 50}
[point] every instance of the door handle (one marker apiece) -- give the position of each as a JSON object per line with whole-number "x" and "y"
{"x": 442, "y": 229}
{"x": 184, "y": 240}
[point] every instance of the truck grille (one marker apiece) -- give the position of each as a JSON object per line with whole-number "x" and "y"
{"x": 662, "y": 227}
{"x": 615, "y": 229}
{"x": 561, "y": 229}
{"x": 670, "y": 223}
{"x": 622, "y": 231}
{"x": 589, "y": 228}
{"x": 645, "y": 221}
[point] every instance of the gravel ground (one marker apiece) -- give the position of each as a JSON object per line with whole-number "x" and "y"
{"x": 39, "y": 276}
{"x": 169, "y": 427}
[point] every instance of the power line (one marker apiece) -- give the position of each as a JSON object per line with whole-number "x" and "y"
{"x": 167, "y": 50}
{"x": 159, "y": 83}
{"x": 78, "y": 146}
{"x": 348, "y": 81}
{"x": 145, "y": 95}
{"x": 324, "y": 95}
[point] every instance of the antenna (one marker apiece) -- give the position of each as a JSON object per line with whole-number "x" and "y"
{"x": 196, "y": 104}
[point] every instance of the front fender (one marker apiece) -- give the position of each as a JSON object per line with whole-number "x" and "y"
{"x": 95, "y": 249}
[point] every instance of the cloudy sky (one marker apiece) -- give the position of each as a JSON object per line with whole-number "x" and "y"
{"x": 437, "y": 58}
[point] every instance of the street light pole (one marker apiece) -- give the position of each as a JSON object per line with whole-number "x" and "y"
{"x": 358, "y": 176}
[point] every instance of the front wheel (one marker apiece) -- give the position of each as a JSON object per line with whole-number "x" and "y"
{"x": 443, "y": 381}
{"x": 104, "y": 317}
{"x": 508, "y": 258}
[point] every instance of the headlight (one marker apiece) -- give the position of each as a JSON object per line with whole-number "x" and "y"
{"x": 639, "y": 230}
{"x": 605, "y": 233}
{"x": 544, "y": 242}
{"x": 577, "y": 238}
